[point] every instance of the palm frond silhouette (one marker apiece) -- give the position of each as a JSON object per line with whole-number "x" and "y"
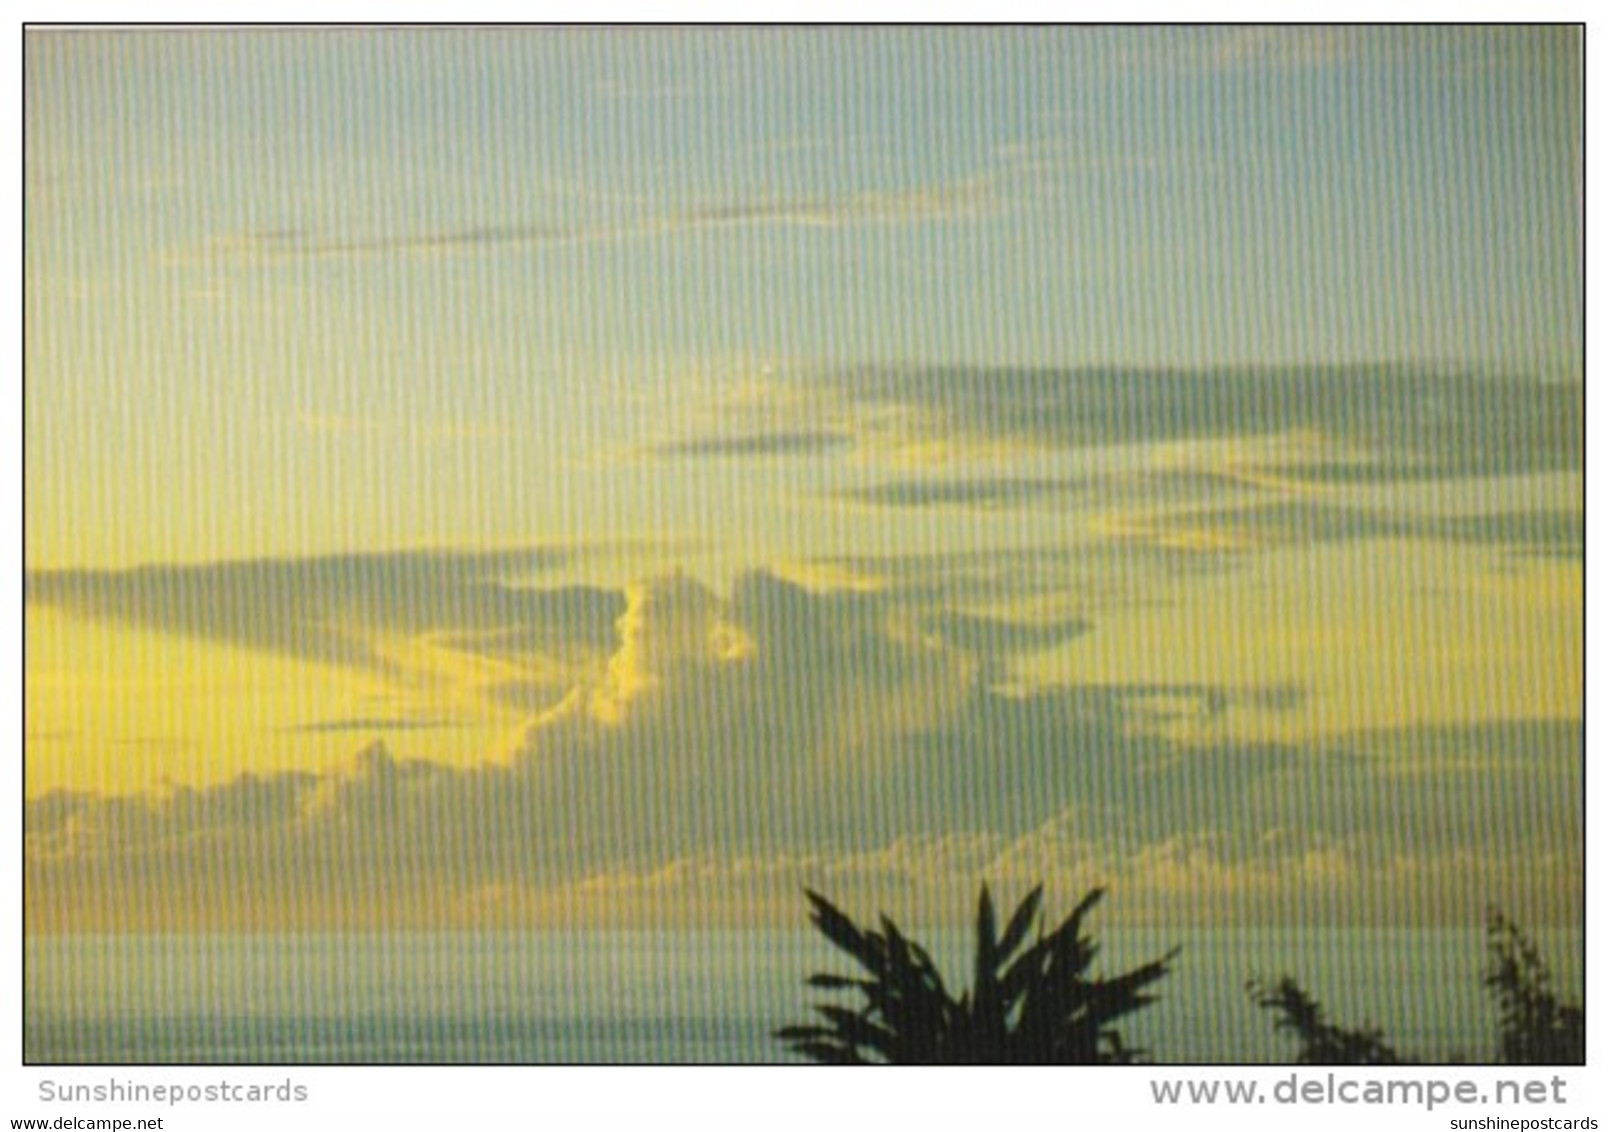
{"x": 1032, "y": 1005}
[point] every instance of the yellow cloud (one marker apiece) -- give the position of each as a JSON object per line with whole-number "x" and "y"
{"x": 825, "y": 577}
{"x": 1385, "y": 633}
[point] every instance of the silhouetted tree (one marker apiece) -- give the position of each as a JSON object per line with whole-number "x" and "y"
{"x": 1037, "y": 1005}
{"x": 1322, "y": 1042}
{"x": 1536, "y": 1028}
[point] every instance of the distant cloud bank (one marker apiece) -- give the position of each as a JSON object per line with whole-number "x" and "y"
{"x": 730, "y": 749}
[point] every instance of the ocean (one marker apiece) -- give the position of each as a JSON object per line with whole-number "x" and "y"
{"x": 684, "y": 997}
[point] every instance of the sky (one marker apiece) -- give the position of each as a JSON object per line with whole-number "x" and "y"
{"x": 594, "y": 477}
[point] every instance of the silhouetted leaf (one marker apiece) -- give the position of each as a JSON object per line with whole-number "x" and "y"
{"x": 1016, "y": 929}
{"x": 985, "y": 926}
{"x": 841, "y": 930}
{"x": 988, "y": 1013}
{"x": 856, "y": 1029}
{"x": 802, "y": 1033}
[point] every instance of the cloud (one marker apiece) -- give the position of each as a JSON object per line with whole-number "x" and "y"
{"x": 465, "y": 637}
{"x": 983, "y": 493}
{"x": 951, "y": 201}
{"x": 1550, "y": 533}
{"x": 1043, "y": 583}
{"x": 1170, "y": 486}
{"x": 1195, "y": 464}
{"x": 994, "y": 636}
{"x": 1303, "y": 522}
{"x": 297, "y": 242}
{"x": 733, "y": 747}
{"x": 1396, "y": 421}
{"x": 757, "y": 444}
{"x": 346, "y": 608}
{"x": 1187, "y": 463}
